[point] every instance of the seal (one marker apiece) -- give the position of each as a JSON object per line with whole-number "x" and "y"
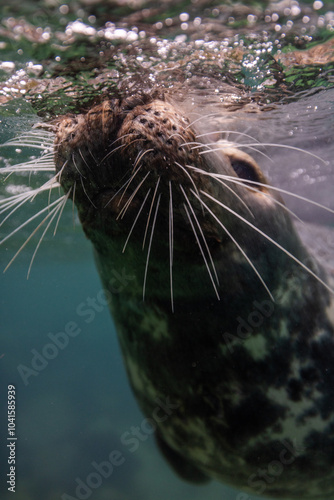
{"x": 225, "y": 319}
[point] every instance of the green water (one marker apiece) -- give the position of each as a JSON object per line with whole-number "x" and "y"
{"x": 74, "y": 409}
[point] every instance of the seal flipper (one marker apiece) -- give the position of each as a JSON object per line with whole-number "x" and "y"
{"x": 179, "y": 464}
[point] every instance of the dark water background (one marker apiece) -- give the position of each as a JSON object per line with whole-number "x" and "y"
{"x": 74, "y": 411}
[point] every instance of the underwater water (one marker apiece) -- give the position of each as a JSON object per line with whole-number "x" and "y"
{"x": 73, "y": 401}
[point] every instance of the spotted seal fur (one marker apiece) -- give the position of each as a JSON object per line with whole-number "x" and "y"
{"x": 226, "y": 316}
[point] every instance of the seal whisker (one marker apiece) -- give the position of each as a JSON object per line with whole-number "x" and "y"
{"x": 119, "y": 139}
{"x": 285, "y": 146}
{"x": 56, "y": 203}
{"x": 176, "y": 134}
{"x": 238, "y": 145}
{"x": 44, "y": 128}
{"x": 61, "y": 211}
{"x": 110, "y": 153}
{"x": 280, "y": 190}
{"x": 267, "y": 195}
{"x": 128, "y": 203}
{"x": 241, "y": 182}
{"x": 188, "y": 175}
{"x": 201, "y": 233}
{"x": 32, "y": 164}
{"x": 42, "y": 164}
{"x": 201, "y": 250}
{"x": 227, "y": 132}
{"x": 53, "y": 183}
{"x": 191, "y": 143}
{"x": 135, "y": 221}
{"x": 150, "y": 242}
{"x": 58, "y": 208}
{"x": 22, "y": 198}
{"x": 115, "y": 149}
{"x": 256, "y": 183}
{"x": 11, "y": 202}
{"x": 73, "y": 203}
{"x": 31, "y": 140}
{"x": 171, "y": 243}
{"x": 289, "y": 254}
{"x": 133, "y": 175}
{"x": 50, "y": 194}
{"x": 29, "y": 220}
{"x": 235, "y": 194}
{"x": 61, "y": 171}
{"x": 118, "y": 191}
{"x": 150, "y": 212}
{"x": 201, "y": 117}
{"x": 139, "y": 157}
{"x": 91, "y": 154}
{"x": 234, "y": 240}
{"x": 7, "y": 203}
{"x": 84, "y": 190}
{"x": 228, "y": 145}
{"x": 84, "y": 160}
{"x": 76, "y": 166}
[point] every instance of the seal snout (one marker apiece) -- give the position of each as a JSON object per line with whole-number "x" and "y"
{"x": 120, "y": 151}
{"x": 160, "y": 137}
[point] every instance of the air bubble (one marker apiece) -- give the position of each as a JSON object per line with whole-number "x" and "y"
{"x": 184, "y": 17}
{"x": 317, "y": 5}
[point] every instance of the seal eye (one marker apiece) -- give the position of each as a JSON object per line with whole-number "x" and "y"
{"x": 245, "y": 170}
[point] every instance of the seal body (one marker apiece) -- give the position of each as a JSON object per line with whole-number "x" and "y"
{"x": 223, "y": 317}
